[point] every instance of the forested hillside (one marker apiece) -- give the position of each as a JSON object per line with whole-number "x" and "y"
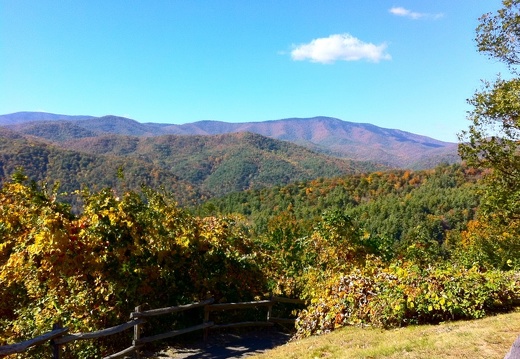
{"x": 73, "y": 170}
{"x": 328, "y": 241}
{"x": 194, "y": 167}
{"x": 331, "y": 136}
{"x": 26, "y": 117}
{"x": 222, "y": 164}
{"x": 357, "y": 141}
{"x": 396, "y": 208}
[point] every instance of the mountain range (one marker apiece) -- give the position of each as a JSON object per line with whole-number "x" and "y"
{"x": 193, "y": 168}
{"x": 331, "y": 136}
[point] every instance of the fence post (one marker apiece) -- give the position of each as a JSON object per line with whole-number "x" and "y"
{"x": 56, "y": 351}
{"x": 206, "y": 320}
{"x": 270, "y": 309}
{"x": 137, "y": 334}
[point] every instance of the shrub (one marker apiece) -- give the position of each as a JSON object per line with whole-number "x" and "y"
{"x": 404, "y": 293}
{"x": 90, "y": 271}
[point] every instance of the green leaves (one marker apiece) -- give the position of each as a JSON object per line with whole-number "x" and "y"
{"x": 492, "y": 138}
{"x": 492, "y": 141}
{"x": 497, "y": 34}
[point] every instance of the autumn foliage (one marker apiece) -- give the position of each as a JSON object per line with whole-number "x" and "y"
{"x": 90, "y": 270}
{"x": 403, "y": 293}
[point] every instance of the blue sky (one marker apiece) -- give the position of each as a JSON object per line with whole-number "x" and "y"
{"x": 405, "y": 64}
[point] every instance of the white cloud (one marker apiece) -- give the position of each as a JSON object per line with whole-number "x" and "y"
{"x": 339, "y": 47}
{"x": 401, "y": 11}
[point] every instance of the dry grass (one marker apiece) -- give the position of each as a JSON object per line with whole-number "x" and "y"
{"x": 485, "y": 338}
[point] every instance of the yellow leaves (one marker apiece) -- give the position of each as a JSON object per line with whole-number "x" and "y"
{"x": 40, "y": 241}
{"x": 104, "y": 292}
{"x": 14, "y": 269}
{"x": 16, "y": 188}
{"x": 115, "y": 252}
{"x": 4, "y": 248}
{"x": 183, "y": 241}
{"x": 112, "y": 216}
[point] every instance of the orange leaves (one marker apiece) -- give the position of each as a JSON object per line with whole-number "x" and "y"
{"x": 469, "y": 236}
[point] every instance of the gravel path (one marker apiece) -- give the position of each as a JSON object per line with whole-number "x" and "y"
{"x": 227, "y": 345}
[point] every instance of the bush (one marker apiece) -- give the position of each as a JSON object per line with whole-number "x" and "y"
{"x": 90, "y": 271}
{"x": 403, "y": 293}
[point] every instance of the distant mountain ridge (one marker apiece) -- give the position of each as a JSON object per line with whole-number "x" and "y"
{"x": 23, "y": 117}
{"x": 331, "y": 136}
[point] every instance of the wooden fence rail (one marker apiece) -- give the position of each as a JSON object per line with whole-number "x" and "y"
{"x": 23, "y": 346}
{"x": 59, "y": 337}
{"x": 168, "y": 310}
{"x": 100, "y": 333}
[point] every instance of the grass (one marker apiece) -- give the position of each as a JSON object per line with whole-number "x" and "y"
{"x": 490, "y": 337}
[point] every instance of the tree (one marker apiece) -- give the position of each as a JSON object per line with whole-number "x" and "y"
{"x": 493, "y": 138}
{"x": 494, "y": 143}
{"x": 498, "y": 34}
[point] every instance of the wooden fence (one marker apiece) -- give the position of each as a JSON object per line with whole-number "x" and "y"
{"x": 59, "y": 336}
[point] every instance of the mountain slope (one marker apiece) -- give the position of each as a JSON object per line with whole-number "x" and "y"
{"x": 120, "y": 126}
{"x": 22, "y": 117}
{"x": 225, "y": 163}
{"x": 356, "y": 141}
{"x": 74, "y": 170}
{"x": 54, "y": 131}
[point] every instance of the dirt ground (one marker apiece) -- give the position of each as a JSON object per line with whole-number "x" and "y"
{"x": 225, "y": 345}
